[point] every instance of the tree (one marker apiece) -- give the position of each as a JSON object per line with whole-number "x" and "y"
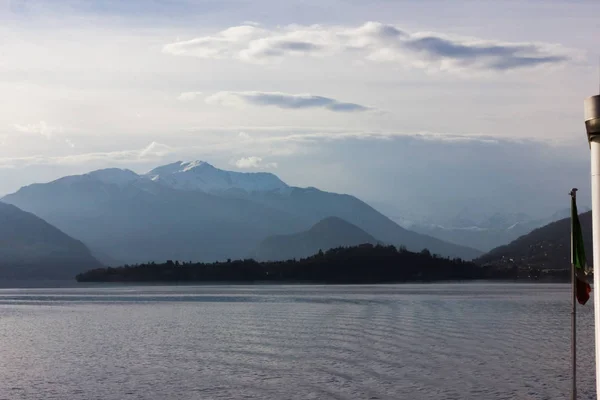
{"x": 358, "y": 264}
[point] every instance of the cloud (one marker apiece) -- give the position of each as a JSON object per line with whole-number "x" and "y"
{"x": 253, "y": 162}
{"x": 330, "y": 136}
{"x": 483, "y": 55}
{"x": 45, "y": 130}
{"x": 248, "y": 162}
{"x": 40, "y": 128}
{"x": 372, "y": 41}
{"x": 154, "y": 151}
{"x": 264, "y": 142}
{"x": 225, "y": 44}
{"x": 189, "y": 96}
{"x": 283, "y": 100}
{"x": 439, "y": 137}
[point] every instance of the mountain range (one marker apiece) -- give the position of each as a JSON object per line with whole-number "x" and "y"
{"x": 484, "y": 232}
{"x": 32, "y": 248}
{"x": 194, "y": 211}
{"x": 547, "y": 247}
{"x": 327, "y": 234}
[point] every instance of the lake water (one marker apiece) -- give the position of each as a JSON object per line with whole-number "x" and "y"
{"x": 456, "y": 341}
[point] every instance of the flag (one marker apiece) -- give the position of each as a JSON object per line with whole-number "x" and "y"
{"x": 583, "y": 288}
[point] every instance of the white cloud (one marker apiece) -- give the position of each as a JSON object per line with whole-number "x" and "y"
{"x": 253, "y": 162}
{"x": 249, "y": 162}
{"x": 283, "y": 100}
{"x": 372, "y": 41}
{"x": 40, "y": 128}
{"x": 225, "y": 44}
{"x": 265, "y": 142}
{"x": 154, "y": 151}
{"x": 189, "y": 96}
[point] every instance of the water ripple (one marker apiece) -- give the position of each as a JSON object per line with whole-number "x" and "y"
{"x": 475, "y": 341}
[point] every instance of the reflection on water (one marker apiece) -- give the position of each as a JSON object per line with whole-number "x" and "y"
{"x": 472, "y": 341}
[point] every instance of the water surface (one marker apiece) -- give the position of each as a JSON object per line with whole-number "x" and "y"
{"x": 456, "y": 341}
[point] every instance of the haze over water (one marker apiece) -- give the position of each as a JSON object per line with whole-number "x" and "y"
{"x": 472, "y": 341}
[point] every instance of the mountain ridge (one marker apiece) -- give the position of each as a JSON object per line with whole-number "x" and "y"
{"x": 547, "y": 247}
{"x": 489, "y": 232}
{"x": 200, "y": 175}
{"x": 329, "y": 233}
{"x": 31, "y": 248}
{"x": 149, "y": 219}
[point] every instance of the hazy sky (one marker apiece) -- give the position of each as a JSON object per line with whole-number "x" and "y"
{"x": 428, "y": 107}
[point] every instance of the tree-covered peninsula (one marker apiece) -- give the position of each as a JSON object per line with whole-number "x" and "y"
{"x": 359, "y": 264}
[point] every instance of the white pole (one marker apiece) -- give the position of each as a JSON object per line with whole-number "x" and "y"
{"x": 595, "y": 149}
{"x": 573, "y": 311}
{"x": 592, "y": 126}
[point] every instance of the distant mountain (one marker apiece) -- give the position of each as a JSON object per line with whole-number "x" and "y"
{"x": 147, "y": 221}
{"x": 200, "y": 175}
{"x": 566, "y": 213}
{"x": 488, "y": 232}
{"x": 194, "y": 211}
{"x": 313, "y": 205}
{"x": 327, "y": 234}
{"x": 483, "y": 239}
{"x": 30, "y": 248}
{"x": 499, "y": 220}
{"x": 547, "y": 247}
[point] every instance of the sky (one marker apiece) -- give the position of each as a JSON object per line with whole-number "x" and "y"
{"x": 424, "y": 109}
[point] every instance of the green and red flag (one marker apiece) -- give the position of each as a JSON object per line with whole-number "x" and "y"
{"x": 582, "y": 286}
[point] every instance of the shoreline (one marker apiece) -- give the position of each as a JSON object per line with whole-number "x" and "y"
{"x": 73, "y": 284}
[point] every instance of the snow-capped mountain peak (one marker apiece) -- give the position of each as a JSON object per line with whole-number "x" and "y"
{"x": 194, "y": 164}
{"x": 200, "y": 175}
{"x": 116, "y": 176}
{"x": 178, "y": 167}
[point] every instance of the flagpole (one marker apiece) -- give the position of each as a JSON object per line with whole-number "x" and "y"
{"x": 573, "y": 312}
{"x": 591, "y": 108}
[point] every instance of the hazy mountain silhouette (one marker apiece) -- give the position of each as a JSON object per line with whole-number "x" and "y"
{"x": 200, "y": 175}
{"x": 313, "y": 205}
{"x": 548, "y": 247}
{"x": 144, "y": 221}
{"x": 327, "y": 234}
{"x": 31, "y": 248}
{"x": 487, "y": 233}
{"x": 194, "y": 211}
